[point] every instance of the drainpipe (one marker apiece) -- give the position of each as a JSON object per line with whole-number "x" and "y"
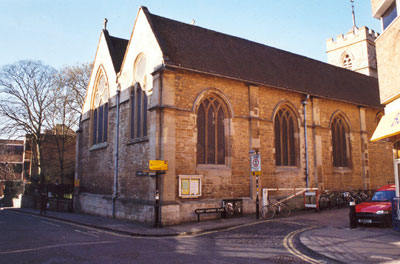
{"x": 304, "y": 103}
{"x": 115, "y": 192}
{"x": 77, "y": 165}
{"x": 159, "y": 185}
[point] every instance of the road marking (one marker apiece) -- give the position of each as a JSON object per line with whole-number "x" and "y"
{"x": 288, "y": 244}
{"x": 54, "y": 246}
{"x": 50, "y": 223}
{"x": 86, "y": 233}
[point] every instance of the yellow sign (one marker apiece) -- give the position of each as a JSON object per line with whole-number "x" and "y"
{"x": 158, "y": 165}
{"x": 256, "y": 173}
{"x": 76, "y": 183}
{"x": 388, "y": 126}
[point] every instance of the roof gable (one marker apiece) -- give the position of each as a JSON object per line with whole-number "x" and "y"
{"x": 117, "y": 48}
{"x": 196, "y": 48}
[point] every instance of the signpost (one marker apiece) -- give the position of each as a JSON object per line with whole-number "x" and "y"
{"x": 256, "y": 171}
{"x": 156, "y": 168}
{"x": 159, "y": 166}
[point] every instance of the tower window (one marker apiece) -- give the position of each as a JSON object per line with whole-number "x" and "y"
{"x": 346, "y": 62}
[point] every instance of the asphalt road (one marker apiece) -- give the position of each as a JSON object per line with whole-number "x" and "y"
{"x": 32, "y": 239}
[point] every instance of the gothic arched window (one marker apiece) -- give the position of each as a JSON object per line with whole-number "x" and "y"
{"x": 285, "y": 143}
{"x": 138, "y": 118}
{"x": 346, "y": 61}
{"x": 340, "y": 142}
{"x": 100, "y": 111}
{"x": 211, "y": 131}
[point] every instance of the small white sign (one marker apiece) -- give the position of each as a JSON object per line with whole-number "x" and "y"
{"x": 255, "y": 162}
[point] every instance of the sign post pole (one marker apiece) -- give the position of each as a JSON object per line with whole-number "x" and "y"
{"x": 256, "y": 171}
{"x": 159, "y": 166}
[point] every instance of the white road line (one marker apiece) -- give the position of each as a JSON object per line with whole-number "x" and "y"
{"x": 54, "y": 246}
{"x": 50, "y": 223}
{"x": 86, "y": 233}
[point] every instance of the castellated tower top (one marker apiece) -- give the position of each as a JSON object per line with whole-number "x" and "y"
{"x": 354, "y": 51}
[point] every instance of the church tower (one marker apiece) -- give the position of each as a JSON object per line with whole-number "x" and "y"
{"x": 354, "y": 50}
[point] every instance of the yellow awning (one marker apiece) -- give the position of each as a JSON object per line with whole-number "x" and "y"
{"x": 388, "y": 126}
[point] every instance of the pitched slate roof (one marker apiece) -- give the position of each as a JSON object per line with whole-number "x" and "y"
{"x": 196, "y": 48}
{"x": 117, "y": 48}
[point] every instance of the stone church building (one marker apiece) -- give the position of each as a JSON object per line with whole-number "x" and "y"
{"x": 202, "y": 101}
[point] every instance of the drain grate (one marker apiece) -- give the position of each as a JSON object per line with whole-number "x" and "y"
{"x": 283, "y": 259}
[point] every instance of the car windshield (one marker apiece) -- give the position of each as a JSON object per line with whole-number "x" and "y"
{"x": 383, "y": 196}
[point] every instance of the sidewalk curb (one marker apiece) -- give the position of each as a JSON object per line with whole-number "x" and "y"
{"x": 316, "y": 255}
{"x": 135, "y": 234}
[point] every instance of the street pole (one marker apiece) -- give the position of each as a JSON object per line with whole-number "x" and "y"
{"x": 157, "y": 203}
{"x": 257, "y": 200}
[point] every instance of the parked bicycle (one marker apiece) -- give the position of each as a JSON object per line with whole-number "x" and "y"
{"x": 275, "y": 207}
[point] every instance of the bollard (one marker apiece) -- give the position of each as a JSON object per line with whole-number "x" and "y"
{"x": 352, "y": 215}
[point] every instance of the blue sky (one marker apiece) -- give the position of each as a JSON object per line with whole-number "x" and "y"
{"x": 65, "y": 32}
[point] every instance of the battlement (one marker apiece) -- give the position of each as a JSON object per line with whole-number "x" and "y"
{"x": 358, "y": 35}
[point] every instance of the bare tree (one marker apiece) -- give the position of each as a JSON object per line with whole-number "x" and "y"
{"x": 66, "y": 108}
{"x": 26, "y": 89}
{"x": 75, "y": 79}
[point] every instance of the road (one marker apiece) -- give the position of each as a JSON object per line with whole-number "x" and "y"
{"x": 32, "y": 239}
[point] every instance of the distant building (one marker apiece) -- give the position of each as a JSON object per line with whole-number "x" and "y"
{"x": 203, "y": 100}
{"x": 58, "y": 156}
{"x": 11, "y": 160}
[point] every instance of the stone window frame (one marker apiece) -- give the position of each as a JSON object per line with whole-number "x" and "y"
{"x": 138, "y": 114}
{"x": 228, "y": 114}
{"x": 378, "y": 118}
{"x": 347, "y": 60}
{"x": 286, "y": 106}
{"x": 340, "y": 122}
{"x": 99, "y": 128}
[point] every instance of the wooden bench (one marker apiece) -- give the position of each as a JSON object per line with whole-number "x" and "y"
{"x": 208, "y": 211}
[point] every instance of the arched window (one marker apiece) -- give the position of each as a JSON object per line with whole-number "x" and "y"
{"x": 340, "y": 144}
{"x": 211, "y": 131}
{"x": 346, "y": 61}
{"x": 285, "y": 143}
{"x": 396, "y": 150}
{"x": 100, "y": 111}
{"x": 138, "y": 128}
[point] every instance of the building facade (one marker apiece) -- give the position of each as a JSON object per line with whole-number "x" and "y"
{"x": 388, "y": 54}
{"x": 202, "y": 101}
{"x": 11, "y": 160}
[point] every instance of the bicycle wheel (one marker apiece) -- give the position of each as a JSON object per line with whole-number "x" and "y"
{"x": 283, "y": 210}
{"x": 324, "y": 202}
{"x": 229, "y": 211}
{"x": 268, "y": 212}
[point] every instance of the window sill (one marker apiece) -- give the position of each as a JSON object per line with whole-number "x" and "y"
{"x": 342, "y": 169}
{"x": 99, "y": 146}
{"x": 287, "y": 168}
{"x": 213, "y": 167}
{"x": 137, "y": 140}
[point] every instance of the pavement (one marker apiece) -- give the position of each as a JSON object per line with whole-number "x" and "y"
{"x": 328, "y": 236}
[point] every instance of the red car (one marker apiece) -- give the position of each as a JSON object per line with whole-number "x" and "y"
{"x": 378, "y": 210}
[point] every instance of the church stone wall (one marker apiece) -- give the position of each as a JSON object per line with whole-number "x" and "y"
{"x": 369, "y": 162}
